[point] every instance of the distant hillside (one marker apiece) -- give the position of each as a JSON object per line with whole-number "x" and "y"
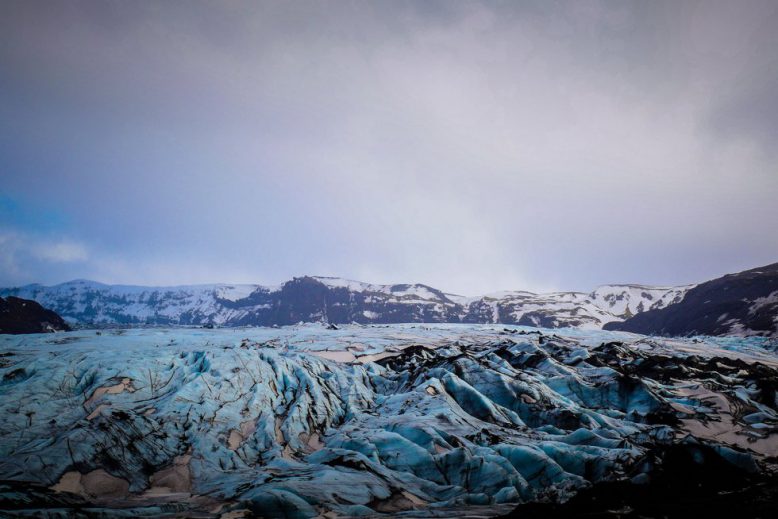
{"x": 745, "y": 303}
{"x": 24, "y": 316}
{"x": 337, "y": 300}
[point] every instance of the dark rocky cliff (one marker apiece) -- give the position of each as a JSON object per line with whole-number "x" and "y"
{"x": 25, "y": 316}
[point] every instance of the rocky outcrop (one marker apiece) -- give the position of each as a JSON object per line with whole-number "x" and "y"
{"x": 25, "y": 316}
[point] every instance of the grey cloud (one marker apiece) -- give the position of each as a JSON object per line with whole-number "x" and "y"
{"x": 472, "y": 146}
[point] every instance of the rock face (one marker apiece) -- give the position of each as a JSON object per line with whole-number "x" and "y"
{"x": 25, "y": 316}
{"x": 212, "y": 421}
{"x": 736, "y": 304}
{"x": 335, "y": 300}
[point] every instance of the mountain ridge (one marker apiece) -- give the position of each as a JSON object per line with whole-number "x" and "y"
{"x": 337, "y": 300}
{"x": 743, "y": 303}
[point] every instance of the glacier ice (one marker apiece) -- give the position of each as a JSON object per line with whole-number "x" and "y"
{"x": 427, "y": 418}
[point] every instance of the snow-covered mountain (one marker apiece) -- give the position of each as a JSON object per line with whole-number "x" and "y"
{"x": 606, "y": 304}
{"x": 336, "y": 300}
{"x": 745, "y": 303}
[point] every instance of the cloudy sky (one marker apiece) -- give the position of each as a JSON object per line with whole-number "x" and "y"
{"x": 470, "y": 146}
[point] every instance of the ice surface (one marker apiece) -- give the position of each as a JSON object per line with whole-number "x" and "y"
{"x": 454, "y": 416}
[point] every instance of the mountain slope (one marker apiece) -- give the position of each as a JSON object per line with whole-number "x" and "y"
{"x": 24, "y": 316}
{"x": 607, "y": 303}
{"x": 745, "y": 303}
{"x": 336, "y": 300}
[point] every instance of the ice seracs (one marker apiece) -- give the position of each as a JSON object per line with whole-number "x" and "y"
{"x": 415, "y": 418}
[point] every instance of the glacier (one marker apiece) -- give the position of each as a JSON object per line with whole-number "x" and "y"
{"x": 307, "y": 421}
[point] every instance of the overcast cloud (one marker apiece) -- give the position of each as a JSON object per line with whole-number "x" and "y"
{"x": 470, "y": 146}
